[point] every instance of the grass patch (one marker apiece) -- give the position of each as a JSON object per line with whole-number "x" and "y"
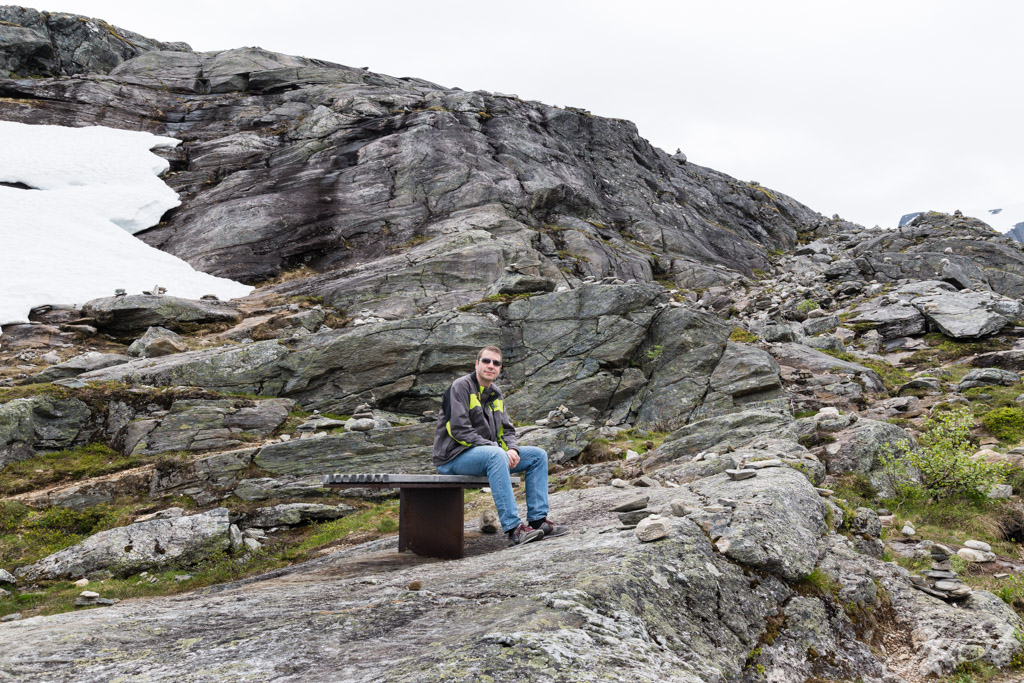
{"x": 30, "y": 535}
{"x": 984, "y": 399}
{"x": 47, "y": 469}
{"x": 739, "y": 334}
{"x": 943, "y": 349}
{"x": 955, "y": 520}
{"x": 818, "y": 583}
{"x": 495, "y": 299}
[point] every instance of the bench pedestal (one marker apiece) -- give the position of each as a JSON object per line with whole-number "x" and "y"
{"x": 430, "y": 511}
{"x": 430, "y": 522}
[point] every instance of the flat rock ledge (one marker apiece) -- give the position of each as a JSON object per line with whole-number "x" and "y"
{"x": 137, "y": 547}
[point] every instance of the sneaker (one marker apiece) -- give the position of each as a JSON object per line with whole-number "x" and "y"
{"x": 524, "y": 534}
{"x": 550, "y": 529}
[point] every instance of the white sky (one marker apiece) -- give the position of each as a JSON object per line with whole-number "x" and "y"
{"x": 71, "y": 239}
{"x": 868, "y": 109}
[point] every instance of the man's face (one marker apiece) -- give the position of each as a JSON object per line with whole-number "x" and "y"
{"x": 488, "y": 366}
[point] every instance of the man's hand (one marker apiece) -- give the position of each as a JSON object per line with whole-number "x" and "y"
{"x": 513, "y": 458}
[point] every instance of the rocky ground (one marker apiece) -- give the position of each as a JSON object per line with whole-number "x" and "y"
{"x": 714, "y": 369}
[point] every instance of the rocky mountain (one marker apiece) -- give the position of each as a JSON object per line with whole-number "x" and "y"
{"x": 1008, "y": 219}
{"x": 716, "y": 371}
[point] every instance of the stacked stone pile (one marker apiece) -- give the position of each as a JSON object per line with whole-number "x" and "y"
{"x": 940, "y": 581}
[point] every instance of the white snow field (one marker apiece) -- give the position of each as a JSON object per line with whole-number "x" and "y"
{"x": 70, "y": 238}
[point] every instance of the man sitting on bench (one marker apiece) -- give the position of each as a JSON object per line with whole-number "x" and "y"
{"x": 475, "y": 436}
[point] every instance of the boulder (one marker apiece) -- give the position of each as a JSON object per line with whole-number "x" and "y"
{"x": 987, "y": 377}
{"x": 732, "y": 429}
{"x": 856, "y": 449}
{"x": 899, "y": 319}
{"x": 138, "y": 312}
{"x": 815, "y": 362}
{"x": 42, "y": 423}
{"x": 157, "y": 341}
{"x": 776, "y": 525}
{"x": 815, "y": 326}
{"x": 653, "y": 528}
{"x": 743, "y": 373}
{"x": 137, "y": 547}
{"x": 965, "y": 315}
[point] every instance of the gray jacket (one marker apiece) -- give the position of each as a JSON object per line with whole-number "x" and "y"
{"x": 475, "y": 418}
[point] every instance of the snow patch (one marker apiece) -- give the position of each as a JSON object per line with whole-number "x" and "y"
{"x": 70, "y": 239}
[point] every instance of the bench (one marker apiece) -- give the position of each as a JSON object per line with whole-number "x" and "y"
{"x": 430, "y": 508}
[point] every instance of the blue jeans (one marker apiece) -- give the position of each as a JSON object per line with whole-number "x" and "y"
{"x": 492, "y": 462}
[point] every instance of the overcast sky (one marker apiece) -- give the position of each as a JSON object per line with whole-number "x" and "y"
{"x": 866, "y": 109}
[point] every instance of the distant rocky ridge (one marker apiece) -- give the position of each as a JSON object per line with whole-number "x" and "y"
{"x": 404, "y": 225}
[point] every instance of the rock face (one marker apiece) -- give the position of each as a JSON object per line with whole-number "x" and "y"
{"x": 200, "y": 425}
{"x": 397, "y": 192}
{"x": 42, "y": 423}
{"x": 633, "y": 356}
{"x": 137, "y": 547}
{"x": 39, "y": 44}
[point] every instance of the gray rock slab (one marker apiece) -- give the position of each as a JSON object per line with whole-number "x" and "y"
{"x": 92, "y": 360}
{"x": 962, "y": 315}
{"x": 987, "y": 377}
{"x": 137, "y": 547}
{"x": 899, "y": 319}
{"x": 637, "y": 503}
{"x": 138, "y": 312}
{"x": 198, "y": 425}
{"x": 294, "y": 514}
{"x": 401, "y": 449}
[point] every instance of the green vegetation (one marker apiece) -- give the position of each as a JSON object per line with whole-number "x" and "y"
{"x": 942, "y": 467}
{"x": 806, "y": 306}
{"x": 739, "y": 334}
{"x": 496, "y": 299}
{"x": 29, "y": 535}
{"x": 943, "y": 349}
{"x": 818, "y": 583}
{"x": 1006, "y": 424}
{"x": 47, "y": 469}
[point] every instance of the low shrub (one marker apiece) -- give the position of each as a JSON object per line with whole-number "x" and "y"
{"x": 1006, "y": 424}
{"x": 942, "y": 466}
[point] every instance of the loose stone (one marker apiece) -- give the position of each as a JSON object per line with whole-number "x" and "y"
{"x": 638, "y": 503}
{"x": 762, "y": 464}
{"x": 739, "y": 475}
{"x": 972, "y": 555}
{"x": 489, "y": 522}
{"x": 978, "y": 545}
{"x": 652, "y": 528}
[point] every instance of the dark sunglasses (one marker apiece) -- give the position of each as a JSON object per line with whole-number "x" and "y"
{"x": 491, "y": 361}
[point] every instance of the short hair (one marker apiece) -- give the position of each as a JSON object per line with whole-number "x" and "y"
{"x": 492, "y": 349}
